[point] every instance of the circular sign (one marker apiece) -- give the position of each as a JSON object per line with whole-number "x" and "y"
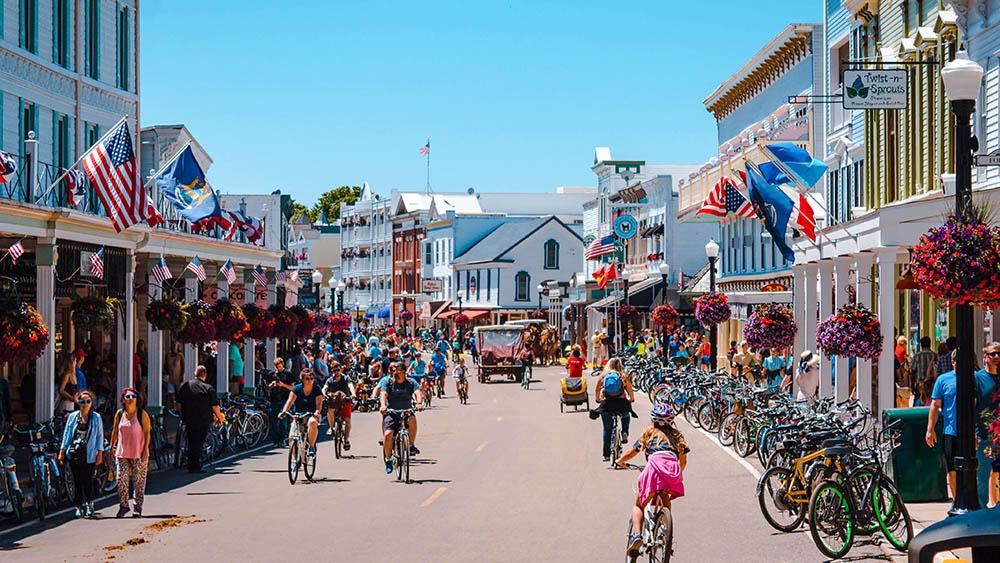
{"x": 626, "y": 227}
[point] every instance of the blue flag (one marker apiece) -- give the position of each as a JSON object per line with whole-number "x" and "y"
{"x": 796, "y": 163}
{"x": 773, "y": 206}
{"x": 773, "y": 175}
{"x": 183, "y": 183}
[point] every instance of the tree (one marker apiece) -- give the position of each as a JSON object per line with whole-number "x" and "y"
{"x": 329, "y": 203}
{"x": 296, "y": 209}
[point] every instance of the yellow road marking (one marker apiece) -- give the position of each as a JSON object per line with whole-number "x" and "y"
{"x": 434, "y": 496}
{"x": 481, "y": 447}
{"x": 499, "y": 419}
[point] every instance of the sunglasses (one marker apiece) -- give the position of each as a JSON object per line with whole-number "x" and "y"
{"x": 129, "y": 396}
{"x": 993, "y": 354}
{"x": 85, "y": 402}
{"x": 308, "y": 378}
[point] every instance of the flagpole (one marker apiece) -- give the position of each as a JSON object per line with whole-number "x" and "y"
{"x": 169, "y": 162}
{"x": 428, "y": 187}
{"x": 66, "y": 171}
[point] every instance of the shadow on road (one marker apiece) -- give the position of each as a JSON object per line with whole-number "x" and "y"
{"x": 424, "y": 481}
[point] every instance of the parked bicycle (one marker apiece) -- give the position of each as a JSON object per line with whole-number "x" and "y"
{"x": 13, "y": 499}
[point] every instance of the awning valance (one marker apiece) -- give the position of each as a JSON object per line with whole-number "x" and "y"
{"x": 652, "y": 231}
{"x": 476, "y": 313}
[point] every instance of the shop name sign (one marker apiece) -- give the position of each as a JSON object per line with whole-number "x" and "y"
{"x": 875, "y": 89}
{"x": 992, "y": 159}
{"x": 430, "y": 285}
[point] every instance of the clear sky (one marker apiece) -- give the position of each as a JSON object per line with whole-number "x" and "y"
{"x": 515, "y": 95}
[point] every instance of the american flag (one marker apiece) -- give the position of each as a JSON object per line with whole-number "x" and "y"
{"x": 259, "y": 276}
{"x": 15, "y": 251}
{"x": 426, "y": 149}
{"x": 725, "y": 199}
{"x": 281, "y": 276}
{"x": 228, "y": 271}
{"x": 8, "y": 167}
{"x": 161, "y": 272}
{"x": 195, "y": 267}
{"x": 600, "y": 247}
{"x": 76, "y": 182}
{"x": 111, "y": 166}
{"x": 293, "y": 275}
{"x": 97, "y": 264}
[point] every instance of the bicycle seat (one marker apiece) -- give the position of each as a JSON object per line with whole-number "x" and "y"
{"x": 821, "y": 435}
{"x": 836, "y": 443}
{"x": 837, "y": 451}
{"x": 6, "y": 450}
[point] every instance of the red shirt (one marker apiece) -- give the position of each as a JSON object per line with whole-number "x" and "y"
{"x": 575, "y": 366}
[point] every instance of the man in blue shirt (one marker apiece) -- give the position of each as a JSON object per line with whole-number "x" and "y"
{"x": 81, "y": 379}
{"x": 987, "y": 385}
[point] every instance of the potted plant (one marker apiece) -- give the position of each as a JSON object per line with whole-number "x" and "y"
{"x": 321, "y": 323}
{"x": 712, "y": 308}
{"x": 167, "y": 314}
{"x": 260, "y": 320}
{"x": 460, "y": 319}
{"x": 339, "y": 322}
{"x": 23, "y": 335}
{"x": 200, "y": 328}
{"x": 305, "y": 323}
{"x": 94, "y": 313}
{"x": 230, "y": 322}
{"x": 665, "y": 316}
{"x": 770, "y": 326}
{"x": 854, "y": 330}
{"x": 958, "y": 261}
{"x": 285, "y": 321}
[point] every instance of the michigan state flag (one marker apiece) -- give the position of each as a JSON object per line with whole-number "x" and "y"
{"x": 183, "y": 183}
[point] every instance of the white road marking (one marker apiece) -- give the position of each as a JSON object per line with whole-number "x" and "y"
{"x": 482, "y": 446}
{"x": 746, "y": 464}
{"x": 434, "y": 496}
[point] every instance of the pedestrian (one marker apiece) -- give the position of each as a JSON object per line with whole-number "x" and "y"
{"x": 774, "y": 367}
{"x": 987, "y": 402}
{"x": 731, "y": 353}
{"x": 807, "y": 377}
{"x": 923, "y": 371}
{"x": 705, "y": 354}
{"x": 236, "y": 367}
{"x": 174, "y": 372}
{"x": 130, "y": 442}
{"x": 575, "y": 362}
{"x": 943, "y": 364}
{"x": 901, "y": 365}
{"x": 595, "y": 344}
{"x": 199, "y": 405}
{"x": 82, "y": 444}
{"x": 66, "y": 388}
{"x": 81, "y": 378}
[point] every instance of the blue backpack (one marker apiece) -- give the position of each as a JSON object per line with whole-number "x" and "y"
{"x": 613, "y": 384}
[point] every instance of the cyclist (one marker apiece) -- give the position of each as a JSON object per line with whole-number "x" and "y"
{"x": 439, "y": 365}
{"x": 339, "y": 389}
{"x": 666, "y": 455}
{"x": 615, "y": 396}
{"x": 306, "y": 397}
{"x": 418, "y": 369}
{"x": 461, "y": 377}
{"x": 398, "y": 392}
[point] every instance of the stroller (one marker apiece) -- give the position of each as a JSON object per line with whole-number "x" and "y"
{"x": 574, "y": 393}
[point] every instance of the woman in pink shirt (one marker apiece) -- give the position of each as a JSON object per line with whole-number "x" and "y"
{"x": 130, "y": 442}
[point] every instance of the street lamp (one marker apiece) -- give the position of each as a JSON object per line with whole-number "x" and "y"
{"x": 341, "y": 287}
{"x": 332, "y": 293}
{"x": 540, "y": 289}
{"x": 317, "y": 279}
{"x": 665, "y": 274}
{"x": 712, "y": 251}
{"x": 962, "y": 79}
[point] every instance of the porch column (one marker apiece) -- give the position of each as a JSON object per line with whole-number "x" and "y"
{"x": 271, "y": 345}
{"x": 863, "y": 270}
{"x": 154, "y": 351}
{"x": 799, "y": 308}
{"x": 809, "y": 312}
{"x": 249, "y": 353}
{"x": 126, "y": 329}
{"x": 46, "y": 256}
{"x": 190, "y": 351}
{"x": 887, "y": 259}
{"x": 842, "y": 272}
{"x": 825, "y": 310}
{"x": 222, "y": 349}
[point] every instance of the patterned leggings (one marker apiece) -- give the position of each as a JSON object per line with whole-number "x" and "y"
{"x": 136, "y": 469}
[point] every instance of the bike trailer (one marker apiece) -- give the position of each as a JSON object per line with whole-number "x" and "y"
{"x": 574, "y": 393}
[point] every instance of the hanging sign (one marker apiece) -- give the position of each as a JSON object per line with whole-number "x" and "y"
{"x": 626, "y": 227}
{"x": 875, "y": 89}
{"x": 992, "y": 159}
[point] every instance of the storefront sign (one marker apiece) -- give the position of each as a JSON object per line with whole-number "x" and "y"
{"x": 992, "y": 159}
{"x": 774, "y": 286}
{"x": 430, "y": 285}
{"x": 626, "y": 227}
{"x": 875, "y": 89}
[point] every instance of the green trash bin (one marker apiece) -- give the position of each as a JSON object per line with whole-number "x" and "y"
{"x": 919, "y": 471}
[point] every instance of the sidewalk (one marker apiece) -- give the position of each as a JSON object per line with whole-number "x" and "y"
{"x": 923, "y": 515}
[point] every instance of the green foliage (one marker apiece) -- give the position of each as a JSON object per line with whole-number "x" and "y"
{"x": 329, "y": 203}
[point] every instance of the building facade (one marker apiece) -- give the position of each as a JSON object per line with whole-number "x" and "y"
{"x": 366, "y": 249}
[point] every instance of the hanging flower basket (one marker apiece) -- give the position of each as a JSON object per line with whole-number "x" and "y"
{"x": 991, "y": 421}
{"x": 261, "y": 322}
{"x": 853, "y": 331}
{"x": 200, "y": 328}
{"x": 958, "y": 261}
{"x": 405, "y": 315}
{"x": 538, "y": 314}
{"x": 321, "y": 323}
{"x": 230, "y": 322}
{"x": 628, "y": 312}
{"x": 460, "y": 319}
{"x": 712, "y": 308}
{"x": 306, "y": 321}
{"x": 23, "y": 335}
{"x": 665, "y": 316}
{"x": 167, "y": 314}
{"x": 94, "y": 313}
{"x": 770, "y": 326}
{"x": 285, "y": 321}
{"x": 339, "y": 322}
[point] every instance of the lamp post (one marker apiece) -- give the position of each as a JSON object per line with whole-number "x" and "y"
{"x": 317, "y": 279}
{"x": 459, "y": 327}
{"x": 331, "y": 295}
{"x": 712, "y": 251}
{"x": 962, "y": 79}
{"x": 665, "y": 275}
{"x": 403, "y": 296}
{"x": 540, "y": 289}
{"x": 341, "y": 287}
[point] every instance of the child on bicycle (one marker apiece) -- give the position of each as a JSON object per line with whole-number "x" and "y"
{"x": 461, "y": 377}
{"x": 666, "y": 455}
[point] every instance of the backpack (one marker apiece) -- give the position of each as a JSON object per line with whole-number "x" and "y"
{"x": 613, "y": 384}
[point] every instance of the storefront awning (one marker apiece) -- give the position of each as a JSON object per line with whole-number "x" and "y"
{"x": 608, "y": 301}
{"x": 652, "y": 231}
{"x": 642, "y": 294}
{"x": 385, "y": 312}
{"x": 438, "y": 307}
{"x": 447, "y": 314}
{"x": 476, "y": 313}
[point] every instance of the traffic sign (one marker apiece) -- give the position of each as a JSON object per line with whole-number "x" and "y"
{"x": 626, "y": 227}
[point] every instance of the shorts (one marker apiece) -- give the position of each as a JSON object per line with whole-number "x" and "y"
{"x": 392, "y": 422}
{"x": 950, "y": 447}
{"x": 661, "y": 474}
{"x": 345, "y": 410}
{"x": 706, "y": 360}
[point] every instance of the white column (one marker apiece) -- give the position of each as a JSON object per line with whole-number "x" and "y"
{"x": 887, "y": 258}
{"x": 249, "y": 359}
{"x": 271, "y": 346}
{"x": 154, "y": 348}
{"x": 825, "y": 310}
{"x": 799, "y": 308}
{"x": 45, "y": 301}
{"x": 811, "y": 306}
{"x": 190, "y": 352}
{"x": 126, "y": 328}
{"x": 222, "y": 350}
{"x": 842, "y": 273}
{"x": 863, "y": 269}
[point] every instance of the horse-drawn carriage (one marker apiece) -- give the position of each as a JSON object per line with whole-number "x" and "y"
{"x": 541, "y": 338}
{"x": 500, "y": 350}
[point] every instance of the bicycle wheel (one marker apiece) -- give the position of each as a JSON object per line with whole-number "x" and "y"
{"x": 180, "y": 449}
{"x": 255, "y": 430}
{"x": 338, "y": 437}
{"x": 727, "y": 429}
{"x": 691, "y": 411}
{"x": 831, "y": 521}
{"x": 309, "y": 466}
{"x": 17, "y": 505}
{"x": 890, "y": 511}
{"x": 859, "y": 481}
{"x": 782, "y": 512}
{"x": 767, "y": 439}
{"x": 68, "y": 486}
{"x": 39, "y": 485}
{"x": 743, "y": 440}
{"x": 707, "y": 417}
{"x": 293, "y": 461}
{"x": 662, "y": 540}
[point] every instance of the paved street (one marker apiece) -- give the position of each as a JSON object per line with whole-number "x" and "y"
{"x": 505, "y": 478}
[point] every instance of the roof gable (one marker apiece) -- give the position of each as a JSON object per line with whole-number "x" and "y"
{"x": 505, "y": 238}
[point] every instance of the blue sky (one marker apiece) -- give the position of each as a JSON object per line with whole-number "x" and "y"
{"x": 514, "y": 94}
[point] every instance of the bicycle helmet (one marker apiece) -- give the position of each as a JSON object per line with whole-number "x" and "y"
{"x": 662, "y": 413}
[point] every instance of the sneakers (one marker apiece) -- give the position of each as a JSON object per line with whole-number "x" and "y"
{"x": 634, "y": 546}
{"x": 607, "y": 458}
{"x": 329, "y": 431}
{"x": 347, "y": 446}
{"x": 137, "y": 513}
{"x": 414, "y": 450}
{"x": 388, "y": 466}
{"x": 311, "y": 451}
{"x": 89, "y": 509}
{"x": 122, "y": 511}
{"x": 79, "y": 512}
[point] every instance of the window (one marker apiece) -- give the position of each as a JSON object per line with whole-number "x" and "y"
{"x": 522, "y": 281}
{"x": 92, "y": 39}
{"x": 28, "y": 37}
{"x": 29, "y": 121}
{"x": 551, "y": 255}
{"x": 93, "y": 133}
{"x": 60, "y": 33}
{"x": 428, "y": 253}
{"x": 60, "y": 140}
{"x": 124, "y": 30}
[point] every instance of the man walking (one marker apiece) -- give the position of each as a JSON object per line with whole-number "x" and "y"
{"x": 198, "y": 404}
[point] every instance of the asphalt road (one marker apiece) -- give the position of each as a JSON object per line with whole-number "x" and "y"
{"x": 504, "y": 478}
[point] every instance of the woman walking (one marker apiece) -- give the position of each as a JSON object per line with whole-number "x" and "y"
{"x": 82, "y": 445}
{"x": 130, "y": 442}
{"x": 66, "y": 386}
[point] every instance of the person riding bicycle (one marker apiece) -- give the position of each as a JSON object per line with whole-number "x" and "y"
{"x": 439, "y": 365}
{"x": 666, "y": 456}
{"x": 397, "y": 392}
{"x": 304, "y": 398}
{"x": 418, "y": 369}
{"x": 614, "y": 395}
{"x": 461, "y": 377}
{"x": 338, "y": 392}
